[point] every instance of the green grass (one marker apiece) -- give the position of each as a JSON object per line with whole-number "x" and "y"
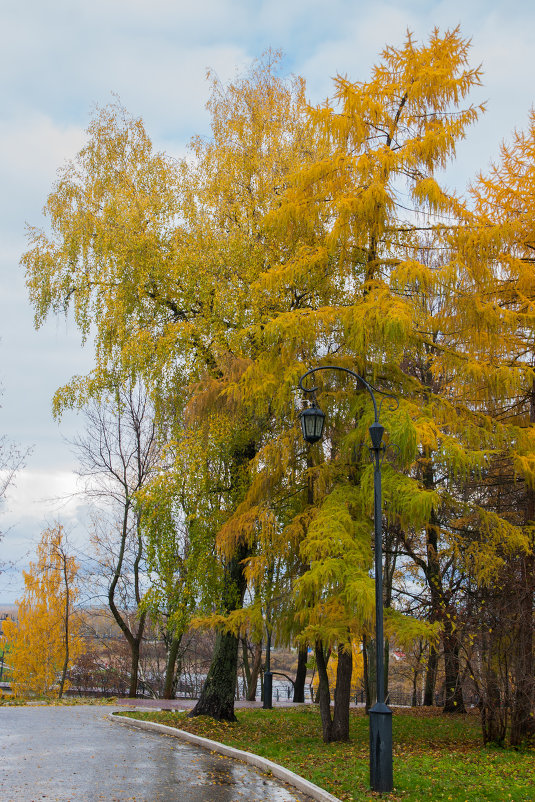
{"x": 436, "y": 757}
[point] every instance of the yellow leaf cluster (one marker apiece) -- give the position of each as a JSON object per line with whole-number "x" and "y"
{"x": 48, "y": 632}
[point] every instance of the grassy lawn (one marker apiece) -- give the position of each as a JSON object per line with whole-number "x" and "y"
{"x": 435, "y": 756}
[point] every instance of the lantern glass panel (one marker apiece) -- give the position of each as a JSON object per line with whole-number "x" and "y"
{"x": 312, "y": 420}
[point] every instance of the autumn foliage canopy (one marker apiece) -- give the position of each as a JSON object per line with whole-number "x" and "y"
{"x": 297, "y": 236}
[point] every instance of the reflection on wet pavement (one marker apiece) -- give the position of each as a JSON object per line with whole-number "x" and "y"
{"x": 75, "y": 754}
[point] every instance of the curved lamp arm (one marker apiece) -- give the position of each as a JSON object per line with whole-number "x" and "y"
{"x": 369, "y": 387}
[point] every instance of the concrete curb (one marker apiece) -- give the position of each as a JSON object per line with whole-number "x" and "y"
{"x": 262, "y": 763}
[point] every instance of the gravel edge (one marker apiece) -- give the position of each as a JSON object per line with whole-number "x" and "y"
{"x": 262, "y": 763}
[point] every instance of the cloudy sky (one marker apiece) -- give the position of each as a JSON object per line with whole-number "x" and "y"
{"x": 61, "y": 57}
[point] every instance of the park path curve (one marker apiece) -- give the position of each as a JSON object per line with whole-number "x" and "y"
{"x": 75, "y": 754}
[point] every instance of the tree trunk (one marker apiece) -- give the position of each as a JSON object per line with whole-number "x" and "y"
{"x": 342, "y": 695}
{"x": 66, "y": 620}
{"x": 135, "y": 648}
{"x": 300, "y": 675}
{"x": 255, "y": 672}
{"x": 371, "y": 663}
{"x": 132, "y": 640}
{"x": 217, "y": 695}
{"x": 390, "y": 551}
{"x": 246, "y": 666}
{"x": 522, "y": 719}
{"x": 453, "y": 702}
{"x": 63, "y": 673}
{"x": 324, "y": 695}
{"x": 434, "y": 582}
{"x": 367, "y": 693}
{"x": 415, "y": 675}
{"x": 414, "y": 698}
{"x": 134, "y": 668}
{"x": 431, "y": 677}
{"x": 327, "y": 657}
{"x": 171, "y": 677}
{"x": 386, "y": 665}
{"x": 493, "y": 713}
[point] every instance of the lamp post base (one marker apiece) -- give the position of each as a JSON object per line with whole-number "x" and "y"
{"x": 268, "y": 690}
{"x": 381, "y": 748}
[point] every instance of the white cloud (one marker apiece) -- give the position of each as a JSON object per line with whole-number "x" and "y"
{"x": 35, "y": 145}
{"x": 168, "y": 88}
{"x": 42, "y": 496}
{"x": 32, "y": 148}
{"x": 37, "y": 499}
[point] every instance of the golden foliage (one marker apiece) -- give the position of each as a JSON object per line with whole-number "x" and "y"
{"x": 301, "y": 236}
{"x": 48, "y": 631}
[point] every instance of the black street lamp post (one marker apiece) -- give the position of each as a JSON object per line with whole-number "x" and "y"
{"x": 268, "y": 676}
{"x": 312, "y": 421}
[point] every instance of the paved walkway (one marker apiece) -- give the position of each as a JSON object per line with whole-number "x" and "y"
{"x": 75, "y": 754}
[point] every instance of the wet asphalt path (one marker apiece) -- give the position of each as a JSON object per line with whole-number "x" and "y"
{"x": 57, "y": 754}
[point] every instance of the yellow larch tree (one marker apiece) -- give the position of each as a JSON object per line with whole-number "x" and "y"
{"x": 46, "y": 639}
{"x": 347, "y": 290}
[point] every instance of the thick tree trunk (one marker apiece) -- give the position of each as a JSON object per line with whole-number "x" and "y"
{"x": 217, "y": 695}
{"x": 342, "y": 695}
{"x": 169, "y": 687}
{"x": 300, "y": 675}
{"x": 324, "y": 696}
